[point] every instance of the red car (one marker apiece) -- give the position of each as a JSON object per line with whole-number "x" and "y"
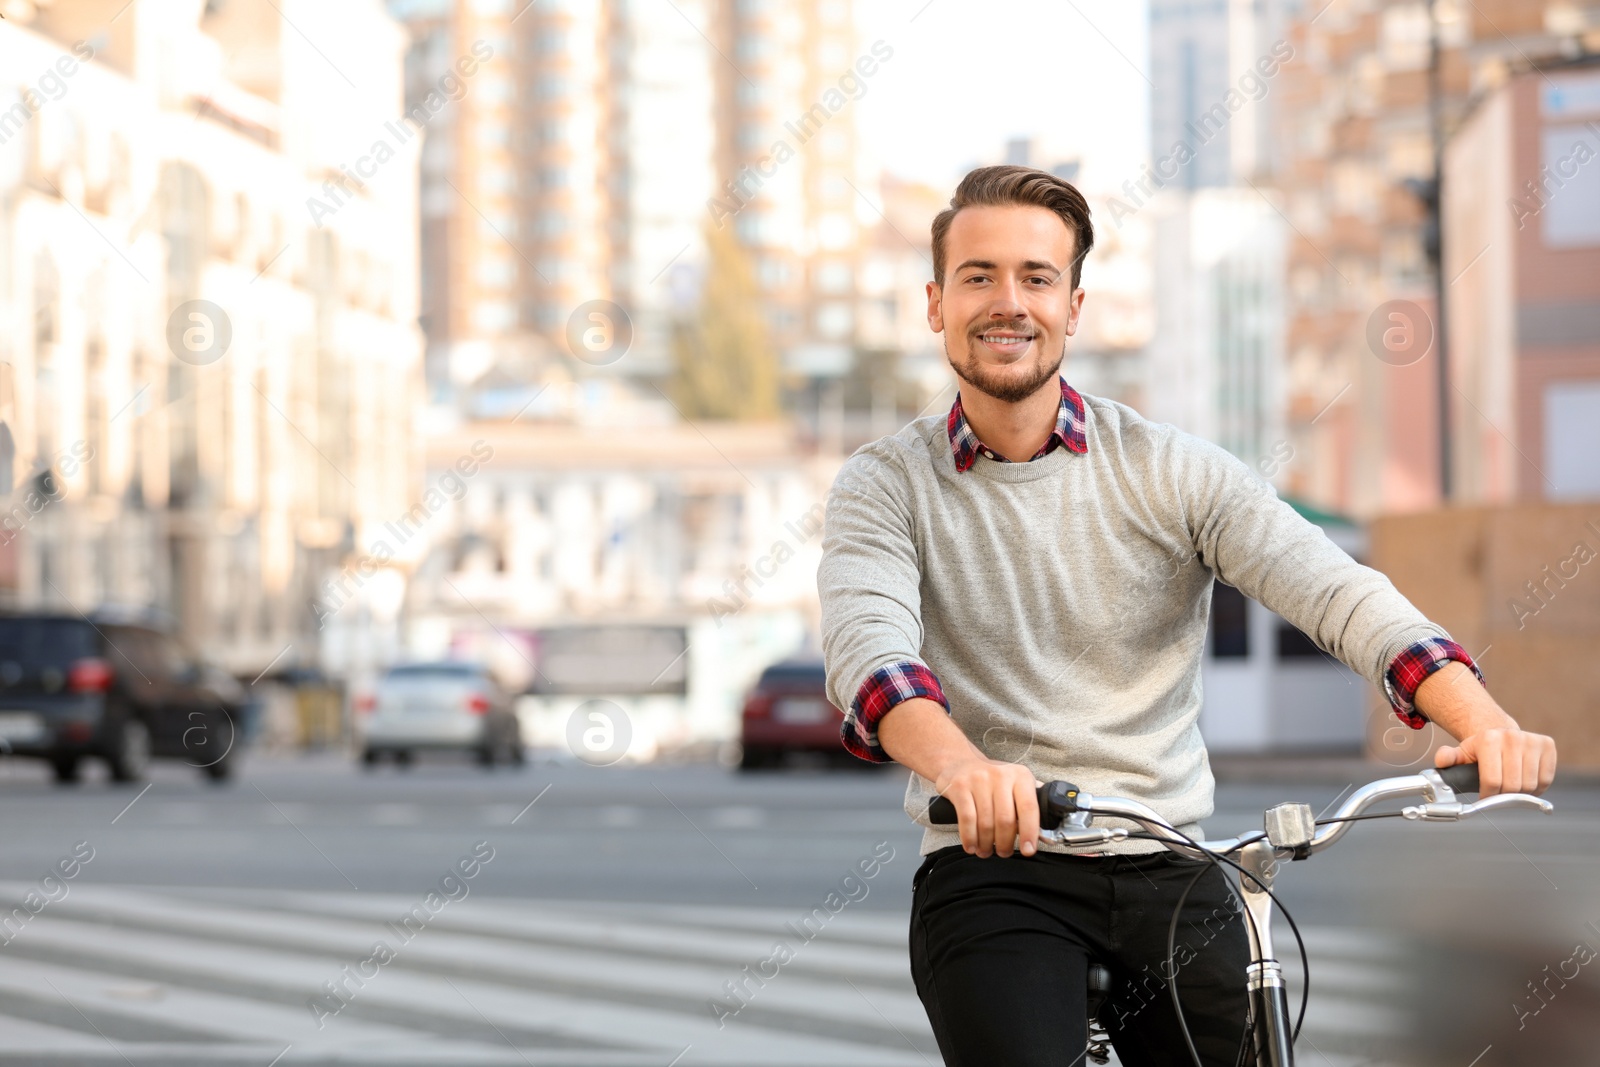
{"x": 788, "y": 711}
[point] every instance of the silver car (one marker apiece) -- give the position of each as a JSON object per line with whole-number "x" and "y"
{"x": 447, "y": 705}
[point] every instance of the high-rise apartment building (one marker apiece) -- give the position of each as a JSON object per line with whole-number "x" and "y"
{"x": 589, "y": 158}
{"x": 787, "y": 74}
{"x": 1355, "y": 127}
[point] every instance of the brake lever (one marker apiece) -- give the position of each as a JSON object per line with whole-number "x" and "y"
{"x": 1094, "y": 836}
{"x": 1453, "y": 810}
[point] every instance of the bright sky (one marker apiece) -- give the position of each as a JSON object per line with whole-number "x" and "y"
{"x": 967, "y": 75}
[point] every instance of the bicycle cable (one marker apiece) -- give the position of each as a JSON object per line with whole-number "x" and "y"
{"x": 1358, "y": 818}
{"x": 1215, "y": 858}
{"x": 1172, "y": 938}
{"x": 1305, "y": 959}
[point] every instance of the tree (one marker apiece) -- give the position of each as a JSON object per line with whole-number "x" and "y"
{"x": 725, "y": 366}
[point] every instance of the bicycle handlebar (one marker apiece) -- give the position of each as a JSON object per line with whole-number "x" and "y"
{"x": 1057, "y": 801}
{"x": 1462, "y": 778}
{"x": 1065, "y": 813}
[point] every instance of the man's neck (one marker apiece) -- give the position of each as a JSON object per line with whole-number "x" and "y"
{"x": 1014, "y": 430}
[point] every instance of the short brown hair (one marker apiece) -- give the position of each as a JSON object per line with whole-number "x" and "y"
{"x": 996, "y": 186}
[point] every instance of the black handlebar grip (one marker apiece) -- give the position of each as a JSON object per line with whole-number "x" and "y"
{"x": 1463, "y": 777}
{"x": 1057, "y": 800}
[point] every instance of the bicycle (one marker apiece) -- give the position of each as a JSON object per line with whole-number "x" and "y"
{"x": 1290, "y": 832}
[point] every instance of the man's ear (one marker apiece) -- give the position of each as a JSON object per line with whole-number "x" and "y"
{"x": 935, "y": 307}
{"x": 1077, "y": 311}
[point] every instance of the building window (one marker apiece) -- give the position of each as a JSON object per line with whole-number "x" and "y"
{"x": 833, "y": 277}
{"x": 1230, "y": 623}
{"x": 494, "y": 316}
{"x": 753, "y": 227}
{"x": 835, "y": 231}
{"x": 1572, "y": 217}
{"x": 495, "y": 89}
{"x": 1572, "y": 439}
{"x": 1294, "y": 644}
{"x": 497, "y": 273}
{"x": 772, "y": 273}
{"x": 554, "y": 86}
{"x": 497, "y": 180}
{"x": 834, "y": 187}
{"x": 834, "y": 320}
{"x": 495, "y": 226}
{"x": 753, "y": 48}
{"x": 549, "y": 317}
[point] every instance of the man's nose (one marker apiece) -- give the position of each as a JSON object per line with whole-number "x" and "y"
{"x": 1006, "y": 304}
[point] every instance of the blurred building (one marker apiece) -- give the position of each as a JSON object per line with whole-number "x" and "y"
{"x": 1269, "y": 688}
{"x": 787, "y": 75}
{"x": 1522, "y": 243}
{"x": 593, "y": 524}
{"x": 208, "y": 277}
{"x": 1363, "y": 386}
{"x": 1215, "y": 364}
{"x": 1217, "y": 237}
{"x": 587, "y": 161}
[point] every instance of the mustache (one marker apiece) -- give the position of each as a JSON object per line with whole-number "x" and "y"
{"x": 1018, "y": 326}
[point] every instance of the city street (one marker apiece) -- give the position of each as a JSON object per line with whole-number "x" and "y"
{"x": 607, "y": 909}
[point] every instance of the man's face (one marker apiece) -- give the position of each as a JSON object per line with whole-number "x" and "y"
{"x": 1006, "y": 306}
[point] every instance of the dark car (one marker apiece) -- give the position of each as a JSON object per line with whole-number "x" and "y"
{"x": 788, "y": 712}
{"x": 72, "y": 688}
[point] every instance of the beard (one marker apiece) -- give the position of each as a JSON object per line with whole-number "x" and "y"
{"x": 991, "y": 382}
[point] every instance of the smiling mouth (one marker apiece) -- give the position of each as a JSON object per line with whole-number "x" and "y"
{"x": 1009, "y": 340}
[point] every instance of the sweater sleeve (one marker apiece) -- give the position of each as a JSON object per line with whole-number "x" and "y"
{"x": 1261, "y": 546}
{"x": 870, "y": 587}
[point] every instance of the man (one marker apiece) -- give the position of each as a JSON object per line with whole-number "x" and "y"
{"x": 1019, "y": 592}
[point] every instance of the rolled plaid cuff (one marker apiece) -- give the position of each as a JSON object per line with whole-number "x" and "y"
{"x": 882, "y": 691}
{"x": 1411, "y": 666}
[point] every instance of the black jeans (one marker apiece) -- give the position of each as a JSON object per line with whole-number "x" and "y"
{"x": 1000, "y": 951}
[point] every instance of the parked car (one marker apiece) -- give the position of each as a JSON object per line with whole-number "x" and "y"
{"x": 447, "y": 705}
{"x": 72, "y": 687}
{"x": 788, "y": 712}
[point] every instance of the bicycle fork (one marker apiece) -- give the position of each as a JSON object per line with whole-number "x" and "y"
{"x": 1269, "y": 995}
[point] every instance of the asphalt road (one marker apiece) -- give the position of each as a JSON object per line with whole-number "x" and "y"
{"x": 1431, "y": 930}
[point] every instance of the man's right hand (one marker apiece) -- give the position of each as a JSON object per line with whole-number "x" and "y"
{"x": 997, "y": 804}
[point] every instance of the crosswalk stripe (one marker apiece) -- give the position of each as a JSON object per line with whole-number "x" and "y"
{"x": 498, "y": 981}
{"x": 828, "y": 949}
{"x": 622, "y": 1018}
{"x": 321, "y": 948}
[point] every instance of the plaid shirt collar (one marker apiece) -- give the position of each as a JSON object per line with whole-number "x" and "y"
{"x": 1069, "y": 431}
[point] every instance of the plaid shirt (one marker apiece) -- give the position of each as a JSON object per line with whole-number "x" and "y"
{"x": 1069, "y": 431}
{"x": 899, "y": 682}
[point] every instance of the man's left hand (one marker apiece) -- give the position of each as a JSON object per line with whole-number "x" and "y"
{"x": 1509, "y": 760}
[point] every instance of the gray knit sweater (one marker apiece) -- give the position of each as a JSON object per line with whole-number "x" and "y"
{"x": 1062, "y": 603}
